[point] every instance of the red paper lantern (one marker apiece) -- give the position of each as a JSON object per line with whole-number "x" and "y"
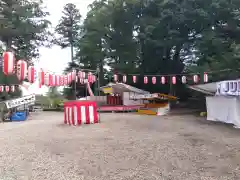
{"x": 13, "y": 88}
{"x": 154, "y": 80}
{"x": 163, "y": 80}
{"x": 90, "y": 77}
{"x": 21, "y": 70}
{"x": 57, "y": 80}
{"x": 184, "y": 79}
{"x": 74, "y": 75}
{"x": 174, "y": 80}
{"x": 61, "y": 80}
{"x": 124, "y": 78}
{"x": 41, "y": 77}
{"x": 1, "y": 88}
{"x": 31, "y": 74}
{"x": 8, "y": 63}
{"x": 70, "y": 76}
{"x": 53, "y": 83}
{"x": 7, "y": 88}
{"x": 134, "y": 79}
{"x": 195, "y": 79}
{"x": 94, "y": 78}
{"x": 205, "y": 77}
{"x": 145, "y": 79}
{"x": 65, "y": 80}
{"x": 46, "y": 79}
{"x": 81, "y": 75}
{"x": 81, "y": 81}
{"x": 115, "y": 77}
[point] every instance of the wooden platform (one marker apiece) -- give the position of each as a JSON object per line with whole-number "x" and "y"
{"x": 119, "y": 108}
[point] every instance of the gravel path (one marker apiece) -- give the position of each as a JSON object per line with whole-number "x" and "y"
{"x": 122, "y": 146}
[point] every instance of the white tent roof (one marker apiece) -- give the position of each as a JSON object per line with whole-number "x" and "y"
{"x": 121, "y": 87}
{"x": 209, "y": 88}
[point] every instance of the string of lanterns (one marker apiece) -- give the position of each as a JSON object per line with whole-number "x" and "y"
{"x": 163, "y": 79}
{"x": 44, "y": 77}
{"x": 6, "y": 88}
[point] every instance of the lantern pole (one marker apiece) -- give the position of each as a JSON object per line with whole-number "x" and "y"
{"x": 75, "y": 85}
{"x": 98, "y": 82}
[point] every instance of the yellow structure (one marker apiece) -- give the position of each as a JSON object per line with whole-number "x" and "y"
{"x": 107, "y": 90}
{"x": 157, "y": 104}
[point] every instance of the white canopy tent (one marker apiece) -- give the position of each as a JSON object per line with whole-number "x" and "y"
{"x": 223, "y": 104}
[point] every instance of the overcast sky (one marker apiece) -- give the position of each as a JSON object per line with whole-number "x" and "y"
{"x": 56, "y": 59}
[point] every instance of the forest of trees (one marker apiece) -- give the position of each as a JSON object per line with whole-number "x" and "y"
{"x": 133, "y": 36}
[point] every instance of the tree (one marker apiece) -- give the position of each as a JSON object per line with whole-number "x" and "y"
{"x": 69, "y": 27}
{"x": 161, "y": 37}
{"x": 24, "y": 28}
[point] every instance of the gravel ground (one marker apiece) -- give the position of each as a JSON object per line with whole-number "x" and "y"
{"x": 122, "y": 146}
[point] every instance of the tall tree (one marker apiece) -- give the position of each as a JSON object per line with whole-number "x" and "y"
{"x": 161, "y": 37}
{"x": 24, "y": 28}
{"x": 69, "y": 27}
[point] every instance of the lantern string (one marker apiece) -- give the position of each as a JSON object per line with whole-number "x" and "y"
{"x": 182, "y": 74}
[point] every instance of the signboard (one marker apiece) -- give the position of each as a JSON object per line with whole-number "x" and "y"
{"x": 30, "y": 100}
{"x": 142, "y": 96}
{"x": 228, "y": 88}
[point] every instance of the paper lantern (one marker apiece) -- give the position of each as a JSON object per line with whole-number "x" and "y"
{"x": 70, "y": 76}
{"x": 31, "y": 74}
{"x": 81, "y": 81}
{"x": 115, "y": 77}
{"x": 174, "y": 80}
{"x": 65, "y": 80}
{"x": 84, "y": 75}
{"x": 8, "y": 63}
{"x": 94, "y": 78}
{"x": 184, "y": 79}
{"x": 41, "y": 77}
{"x": 51, "y": 80}
{"x": 53, "y": 83}
{"x": 90, "y": 78}
{"x": 145, "y": 79}
{"x": 21, "y": 70}
{"x": 7, "y": 88}
{"x": 205, "y": 77}
{"x": 134, "y": 79}
{"x": 81, "y": 74}
{"x": 1, "y": 88}
{"x": 124, "y": 78}
{"x": 74, "y": 75}
{"x": 195, "y": 79}
{"x": 13, "y": 88}
{"x": 57, "y": 80}
{"x": 46, "y": 79}
{"x": 154, "y": 80}
{"x": 163, "y": 80}
{"x": 61, "y": 80}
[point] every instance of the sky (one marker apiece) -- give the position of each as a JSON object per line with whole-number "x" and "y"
{"x": 55, "y": 59}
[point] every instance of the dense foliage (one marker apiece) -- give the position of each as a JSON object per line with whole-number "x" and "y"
{"x": 161, "y": 37}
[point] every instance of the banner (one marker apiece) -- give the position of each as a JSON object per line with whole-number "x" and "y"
{"x": 228, "y": 88}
